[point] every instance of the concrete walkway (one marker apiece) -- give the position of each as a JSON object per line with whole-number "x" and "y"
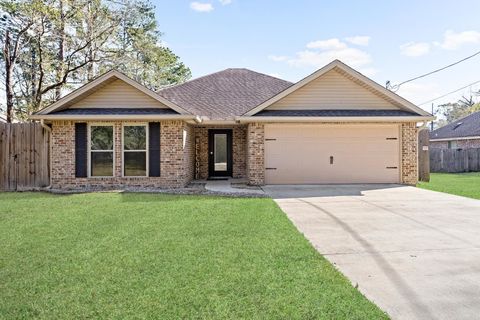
{"x": 232, "y": 186}
{"x": 415, "y": 253}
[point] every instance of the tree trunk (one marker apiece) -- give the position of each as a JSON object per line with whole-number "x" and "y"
{"x": 8, "y": 76}
{"x": 61, "y": 49}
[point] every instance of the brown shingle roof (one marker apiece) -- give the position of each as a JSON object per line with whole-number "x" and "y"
{"x": 225, "y": 94}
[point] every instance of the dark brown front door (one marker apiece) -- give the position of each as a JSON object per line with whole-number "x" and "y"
{"x": 220, "y": 152}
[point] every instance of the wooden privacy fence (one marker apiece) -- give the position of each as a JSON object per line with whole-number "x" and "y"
{"x": 24, "y": 156}
{"x": 455, "y": 160}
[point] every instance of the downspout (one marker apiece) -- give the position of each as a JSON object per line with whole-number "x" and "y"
{"x": 44, "y": 126}
{"x": 49, "y": 130}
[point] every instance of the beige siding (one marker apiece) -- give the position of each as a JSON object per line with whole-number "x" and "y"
{"x": 304, "y": 154}
{"x": 118, "y": 94}
{"x": 332, "y": 91}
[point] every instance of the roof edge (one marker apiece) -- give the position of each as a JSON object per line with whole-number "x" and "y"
{"x": 249, "y": 119}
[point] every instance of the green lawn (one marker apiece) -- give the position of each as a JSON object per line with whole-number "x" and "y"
{"x": 462, "y": 184}
{"x": 121, "y": 255}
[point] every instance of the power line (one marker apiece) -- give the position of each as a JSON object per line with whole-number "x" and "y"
{"x": 447, "y": 94}
{"x": 397, "y": 86}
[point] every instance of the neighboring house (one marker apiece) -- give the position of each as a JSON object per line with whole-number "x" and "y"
{"x": 460, "y": 134}
{"x": 334, "y": 126}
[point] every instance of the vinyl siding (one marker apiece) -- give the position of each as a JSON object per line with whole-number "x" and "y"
{"x": 118, "y": 94}
{"x": 332, "y": 91}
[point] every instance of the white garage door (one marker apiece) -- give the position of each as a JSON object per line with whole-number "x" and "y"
{"x": 309, "y": 154}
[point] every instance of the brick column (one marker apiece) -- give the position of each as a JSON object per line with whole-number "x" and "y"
{"x": 409, "y": 153}
{"x": 256, "y": 153}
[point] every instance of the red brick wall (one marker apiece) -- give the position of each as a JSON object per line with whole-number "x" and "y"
{"x": 176, "y": 159}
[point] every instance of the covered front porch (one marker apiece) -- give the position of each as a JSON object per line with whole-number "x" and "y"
{"x": 220, "y": 152}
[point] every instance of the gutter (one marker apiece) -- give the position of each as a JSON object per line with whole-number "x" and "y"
{"x": 456, "y": 138}
{"x": 244, "y": 119}
{"x": 106, "y": 117}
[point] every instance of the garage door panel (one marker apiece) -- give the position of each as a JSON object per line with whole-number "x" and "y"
{"x": 361, "y": 154}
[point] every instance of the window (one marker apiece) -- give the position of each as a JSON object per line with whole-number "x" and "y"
{"x": 101, "y": 150}
{"x": 135, "y": 150}
{"x": 452, "y": 145}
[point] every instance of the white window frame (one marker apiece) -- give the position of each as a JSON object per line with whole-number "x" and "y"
{"x": 89, "y": 158}
{"x": 135, "y": 124}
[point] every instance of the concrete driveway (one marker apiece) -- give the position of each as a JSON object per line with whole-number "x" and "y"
{"x": 415, "y": 253}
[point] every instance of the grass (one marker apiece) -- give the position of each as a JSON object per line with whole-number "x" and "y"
{"x": 120, "y": 255}
{"x": 462, "y": 184}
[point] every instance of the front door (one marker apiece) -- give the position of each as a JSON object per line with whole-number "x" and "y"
{"x": 220, "y": 152}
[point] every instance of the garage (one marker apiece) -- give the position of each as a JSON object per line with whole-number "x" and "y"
{"x": 332, "y": 153}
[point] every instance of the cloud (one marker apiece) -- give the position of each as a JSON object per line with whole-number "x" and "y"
{"x": 415, "y": 49}
{"x": 321, "y": 52}
{"x": 419, "y": 92}
{"x": 275, "y": 75}
{"x": 277, "y": 58}
{"x": 329, "y": 50}
{"x": 225, "y": 2}
{"x": 453, "y": 40}
{"x": 330, "y": 44}
{"x": 201, "y": 6}
{"x": 359, "y": 40}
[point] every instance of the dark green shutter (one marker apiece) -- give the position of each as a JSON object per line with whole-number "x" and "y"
{"x": 154, "y": 149}
{"x": 81, "y": 150}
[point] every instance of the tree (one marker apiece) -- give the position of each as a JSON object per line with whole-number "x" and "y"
{"x": 452, "y": 111}
{"x": 14, "y": 29}
{"x": 61, "y": 44}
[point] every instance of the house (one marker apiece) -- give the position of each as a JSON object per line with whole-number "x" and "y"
{"x": 334, "y": 126}
{"x": 460, "y": 134}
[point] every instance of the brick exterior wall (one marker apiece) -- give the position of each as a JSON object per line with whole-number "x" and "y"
{"x": 176, "y": 159}
{"x": 461, "y": 144}
{"x": 409, "y": 154}
{"x": 184, "y": 153}
{"x": 239, "y": 135}
{"x": 256, "y": 153}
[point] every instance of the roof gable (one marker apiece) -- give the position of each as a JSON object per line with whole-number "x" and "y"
{"x": 324, "y": 92}
{"x": 468, "y": 126}
{"x": 111, "y": 90}
{"x": 392, "y": 100}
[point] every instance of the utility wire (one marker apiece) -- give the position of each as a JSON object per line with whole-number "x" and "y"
{"x": 447, "y": 94}
{"x": 397, "y": 86}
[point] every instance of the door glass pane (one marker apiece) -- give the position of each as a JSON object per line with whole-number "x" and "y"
{"x": 102, "y": 164}
{"x": 135, "y": 164}
{"x": 220, "y": 152}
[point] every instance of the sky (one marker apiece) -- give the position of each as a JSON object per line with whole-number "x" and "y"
{"x": 385, "y": 40}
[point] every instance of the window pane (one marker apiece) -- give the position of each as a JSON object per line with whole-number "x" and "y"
{"x": 135, "y": 138}
{"x": 102, "y": 164}
{"x": 135, "y": 163}
{"x": 101, "y": 137}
